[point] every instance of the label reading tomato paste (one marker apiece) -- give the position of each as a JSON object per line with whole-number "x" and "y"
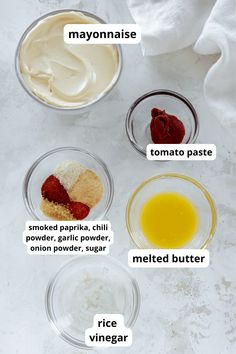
{"x": 182, "y": 152}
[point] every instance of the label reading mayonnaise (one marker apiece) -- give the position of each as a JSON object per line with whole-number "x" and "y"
{"x": 102, "y": 34}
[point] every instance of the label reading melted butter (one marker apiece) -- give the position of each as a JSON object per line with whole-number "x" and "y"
{"x": 161, "y": 258}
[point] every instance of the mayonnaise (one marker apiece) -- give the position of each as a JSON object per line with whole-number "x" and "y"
{"x": 66, "y": 75}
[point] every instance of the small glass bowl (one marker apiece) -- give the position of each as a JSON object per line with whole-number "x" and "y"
{"x": 181, "y": 184}
{"x": 43, "y": 167}
{"x": 45, "y": 104}
{"x": 85, "y": 286}
{"x": 138, "y": 118}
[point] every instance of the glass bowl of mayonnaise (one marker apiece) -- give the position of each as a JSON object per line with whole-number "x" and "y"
{"x": 65, "y": 77}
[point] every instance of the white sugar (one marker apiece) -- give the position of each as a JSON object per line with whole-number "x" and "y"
{"x": 68, "y": 173}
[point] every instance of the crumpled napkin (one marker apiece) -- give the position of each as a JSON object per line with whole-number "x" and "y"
{"x": 210, "y": 26}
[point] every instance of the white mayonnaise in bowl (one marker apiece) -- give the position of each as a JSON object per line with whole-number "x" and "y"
{"x": 65, "y": 77}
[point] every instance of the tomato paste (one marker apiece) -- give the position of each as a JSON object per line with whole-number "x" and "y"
{"x": 166, "y": 128}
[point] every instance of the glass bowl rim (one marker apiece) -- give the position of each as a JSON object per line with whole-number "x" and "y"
{"x": 50, "y": 289}
{"x": 67, "y": 148}
{"x": 158, "y": 92}
{"x": 181, "y": 177}
{"x": 36, "y": 98}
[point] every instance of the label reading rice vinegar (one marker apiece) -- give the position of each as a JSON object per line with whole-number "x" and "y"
{"x": 108, "y": 331}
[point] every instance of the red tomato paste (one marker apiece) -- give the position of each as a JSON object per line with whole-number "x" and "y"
{"x": 166, "y": 128}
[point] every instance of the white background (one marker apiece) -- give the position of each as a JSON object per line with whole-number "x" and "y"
{"x": 183, "y": 311}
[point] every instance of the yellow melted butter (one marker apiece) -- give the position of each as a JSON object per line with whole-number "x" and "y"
{"x": 169, "y": 220}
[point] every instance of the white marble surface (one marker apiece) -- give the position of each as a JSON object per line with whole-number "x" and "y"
{"x": 182, "y": 311}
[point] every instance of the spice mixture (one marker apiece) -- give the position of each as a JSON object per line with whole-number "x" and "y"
{"x": 70, "y": 192}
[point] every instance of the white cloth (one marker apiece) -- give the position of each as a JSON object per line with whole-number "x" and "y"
{"x": 169, "y": 25}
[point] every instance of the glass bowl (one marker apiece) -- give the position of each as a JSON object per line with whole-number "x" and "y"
{"x": 189, "y": 188}
{"x": 86, "y": 286}
{"x": 43, "y": 167}
{"x": 138, "y": 118}
{"x": 45, "y": 104}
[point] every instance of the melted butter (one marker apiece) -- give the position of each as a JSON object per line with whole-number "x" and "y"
{"x": 61, "y": 74}
{"x": 169, "y": 220}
